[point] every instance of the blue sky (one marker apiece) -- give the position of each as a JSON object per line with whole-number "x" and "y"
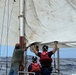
{"x": 64, "y": 52}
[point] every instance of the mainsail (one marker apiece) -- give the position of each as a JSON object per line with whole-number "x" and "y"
{"x": 51, "y": 20}
{"x": 46, "y": 21}
{"x": 9, "y": 22}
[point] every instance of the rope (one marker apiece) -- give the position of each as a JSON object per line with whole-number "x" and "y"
{"x": 8, "y": 22}
{"x": 3, "y": 22}
{"x": 11, "y": 14}
{"x": 2, "y": 25}
{"x": 24, "y": 16}
{"x": 7, "y": 39}
{"x": 8, "y": 25}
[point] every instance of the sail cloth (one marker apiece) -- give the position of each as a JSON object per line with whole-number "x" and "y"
{"x": 51, "y": 20}
{"x": 9, "y": 22}
{"x": 46, "y": 21}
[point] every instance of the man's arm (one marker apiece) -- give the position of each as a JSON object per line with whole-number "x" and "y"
{"x": 34, "y": 49}
{"x": 55, "y": 47}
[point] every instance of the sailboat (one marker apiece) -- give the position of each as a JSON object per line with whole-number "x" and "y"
{"x": 42, "y": 21}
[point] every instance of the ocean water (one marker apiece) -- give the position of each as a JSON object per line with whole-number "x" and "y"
{"x": 67, "y": 65}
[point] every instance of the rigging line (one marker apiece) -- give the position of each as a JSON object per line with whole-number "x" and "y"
{"x": 7, "y": 26}
{"x": 2, "y": 25}
{"x": 11, "y": 14}
{"x": 24, "y": 19}
{"x": 9, "y": 19}
{"x": 7, "y": 36}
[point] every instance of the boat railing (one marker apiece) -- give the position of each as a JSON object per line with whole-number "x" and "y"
{"x": 26, "y": 73}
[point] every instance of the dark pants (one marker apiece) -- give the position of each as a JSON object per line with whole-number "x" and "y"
{"x": 37, "y": 73}
{"x": 46, "y": 71}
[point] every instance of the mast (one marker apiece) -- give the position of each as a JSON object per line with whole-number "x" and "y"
{"x": 58, "y": 59}
{"x": 21, "y": 20}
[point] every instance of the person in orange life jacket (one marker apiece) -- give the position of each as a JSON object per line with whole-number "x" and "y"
{"x": 45, "y": 58}
{"x": 34, "y": 67}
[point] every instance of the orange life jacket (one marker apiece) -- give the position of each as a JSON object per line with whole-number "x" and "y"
{"x": 35, "y": 67}
{"x": 44, "y": 56}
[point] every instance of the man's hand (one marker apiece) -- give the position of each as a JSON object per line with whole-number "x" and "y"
{"x": 34, "y": 49}
{"x": 56, "y": 42}
{"x": 55, "y": 46}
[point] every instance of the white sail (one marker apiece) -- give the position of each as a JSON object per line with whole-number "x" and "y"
{"x": 9, "y": 27}
{"x": 46, "y": 21}
{"x": 51, "y": 20}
